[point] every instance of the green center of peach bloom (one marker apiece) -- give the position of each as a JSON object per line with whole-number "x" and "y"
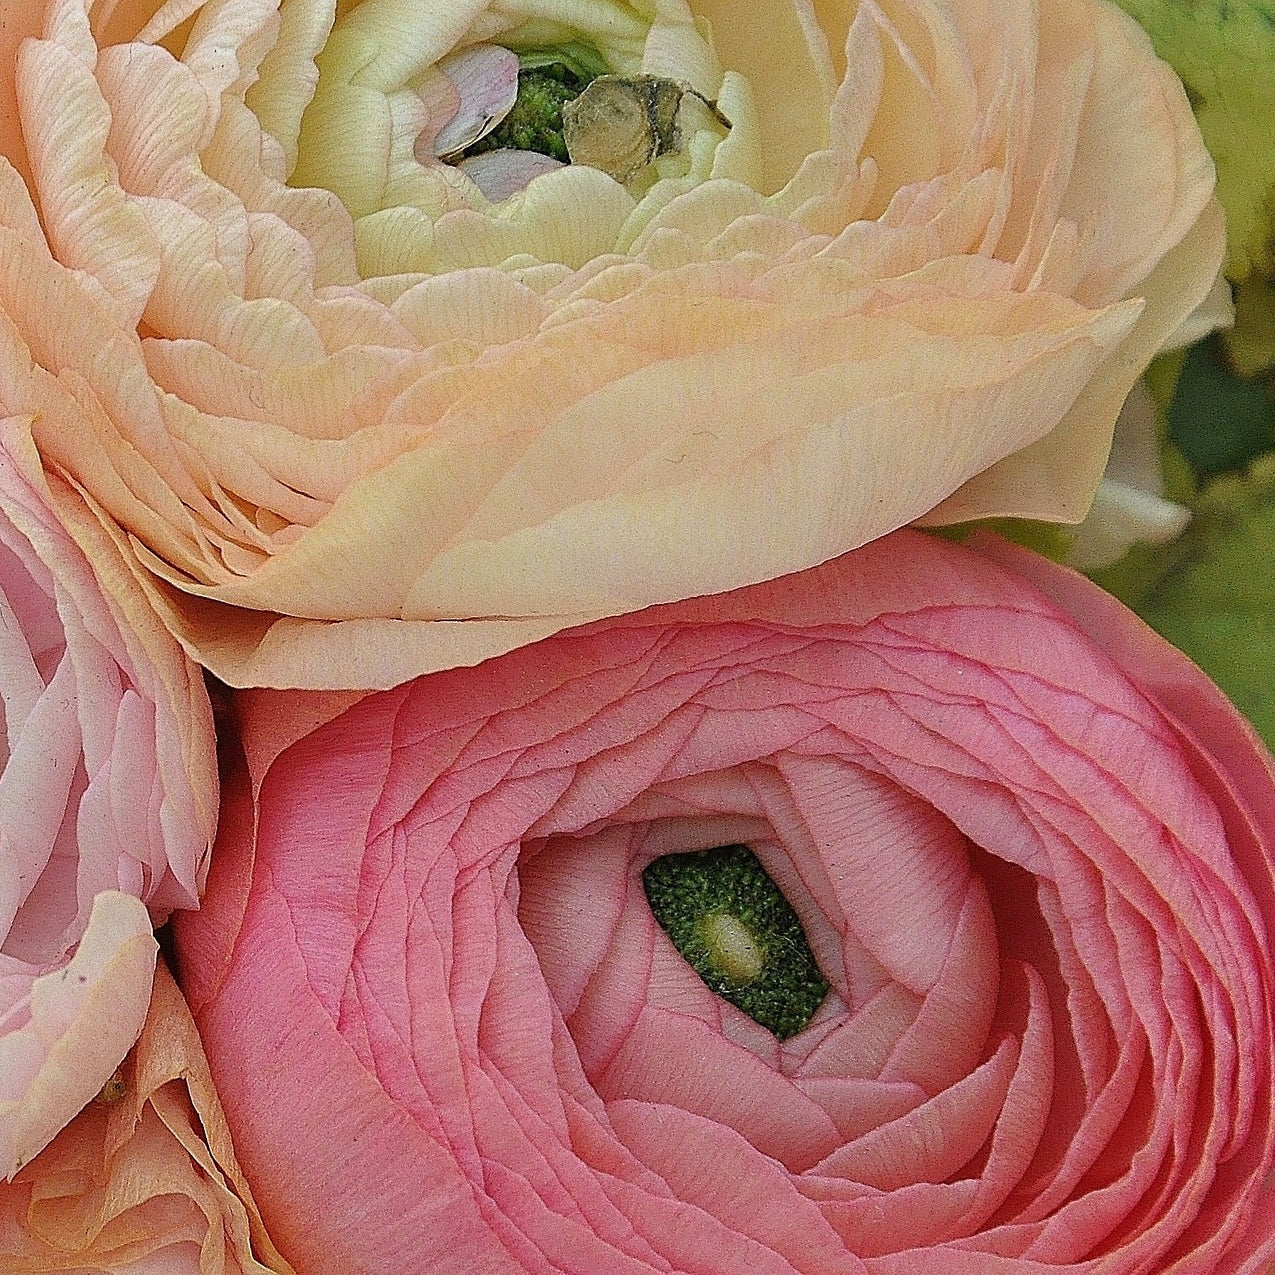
{"x": 510, "y": 135}
{"x": 534, "y": 122}
{"x": 737, "y": 931}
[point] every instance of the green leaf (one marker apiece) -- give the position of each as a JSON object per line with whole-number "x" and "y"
{"x": 1218, "y": 420}
{"x": 1251, "y": 342}
{"x": 1224, "y": 50}
{"x": 1212, "y": 592}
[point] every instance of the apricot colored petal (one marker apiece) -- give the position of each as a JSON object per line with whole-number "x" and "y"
{"x": 19, "y": 21}
{"x": 83, "y": 1019}
{"x": 145, "y": 1175}
{"x": 502, "y": 563}
{"x": 241, "y": 399}
{"x": 1055, "y": 478}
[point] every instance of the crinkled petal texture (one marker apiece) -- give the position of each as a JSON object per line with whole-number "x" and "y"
{"x": 349, "y": 439}
{"x": 144, "y": 1179}
{"x": 108, "y": 800}
{"x": 1030, "y": 846}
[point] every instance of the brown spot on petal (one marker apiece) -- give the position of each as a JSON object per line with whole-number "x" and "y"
{"x": 113, "y": 1090}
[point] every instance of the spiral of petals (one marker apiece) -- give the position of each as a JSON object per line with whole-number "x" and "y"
{"x": 353, "y": 420}
{"x": 1031, "y": 848}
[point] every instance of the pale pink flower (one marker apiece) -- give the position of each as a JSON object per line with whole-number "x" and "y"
{"x": 108, "y": 801}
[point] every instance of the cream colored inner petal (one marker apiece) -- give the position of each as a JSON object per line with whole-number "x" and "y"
{"x": 618, "y": 30}
{"x": 570, "y": 216}
{"x": 346, "y": 129}
{"x": 905, "y": 135}
{"x": 381, "y": 98}
{"x": 699, "y": 214}
{"x": 678, "y": 48}
{"x": 785, "y": 58}
{"x": 288, "y": 74}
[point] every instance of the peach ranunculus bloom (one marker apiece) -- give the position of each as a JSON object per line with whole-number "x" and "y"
{"x": 108, "y": 801}
{"x": 360, "y": 404}
{"x": 145, "y": 1178}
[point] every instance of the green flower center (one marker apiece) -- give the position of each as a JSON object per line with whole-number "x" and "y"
{"x": 535, "y": 121}
{"x": 531, "y": 136}
{"x": 733, "y": 926}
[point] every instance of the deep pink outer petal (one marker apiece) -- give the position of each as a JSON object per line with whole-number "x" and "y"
{"x": 318, "y": 1130}
{"x": 1234, "y": 767}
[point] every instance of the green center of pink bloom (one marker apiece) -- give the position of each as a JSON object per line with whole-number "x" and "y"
{"x": 737, "y": 931}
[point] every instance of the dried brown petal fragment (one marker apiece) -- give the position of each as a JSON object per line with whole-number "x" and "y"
{"x": 619, "y": 124}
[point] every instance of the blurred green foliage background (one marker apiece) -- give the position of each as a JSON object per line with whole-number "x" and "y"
{"x": 1212, "y": 591}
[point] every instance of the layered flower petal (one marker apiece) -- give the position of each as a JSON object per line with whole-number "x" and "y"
{"x": 1030, "y": 847}
{"x": 108, "y": 800}
{"x": 143, "y": 1179}
{"x": 356, "y": 408}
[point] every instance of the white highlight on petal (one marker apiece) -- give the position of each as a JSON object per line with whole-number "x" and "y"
{"x": 1130, "y": 504}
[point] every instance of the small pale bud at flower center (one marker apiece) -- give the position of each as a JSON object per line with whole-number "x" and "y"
{"x": 733, "y": 951}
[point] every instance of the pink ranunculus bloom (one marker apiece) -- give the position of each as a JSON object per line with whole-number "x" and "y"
{"x": 108, "y": 801}
{"x": 1030, "y": 845}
